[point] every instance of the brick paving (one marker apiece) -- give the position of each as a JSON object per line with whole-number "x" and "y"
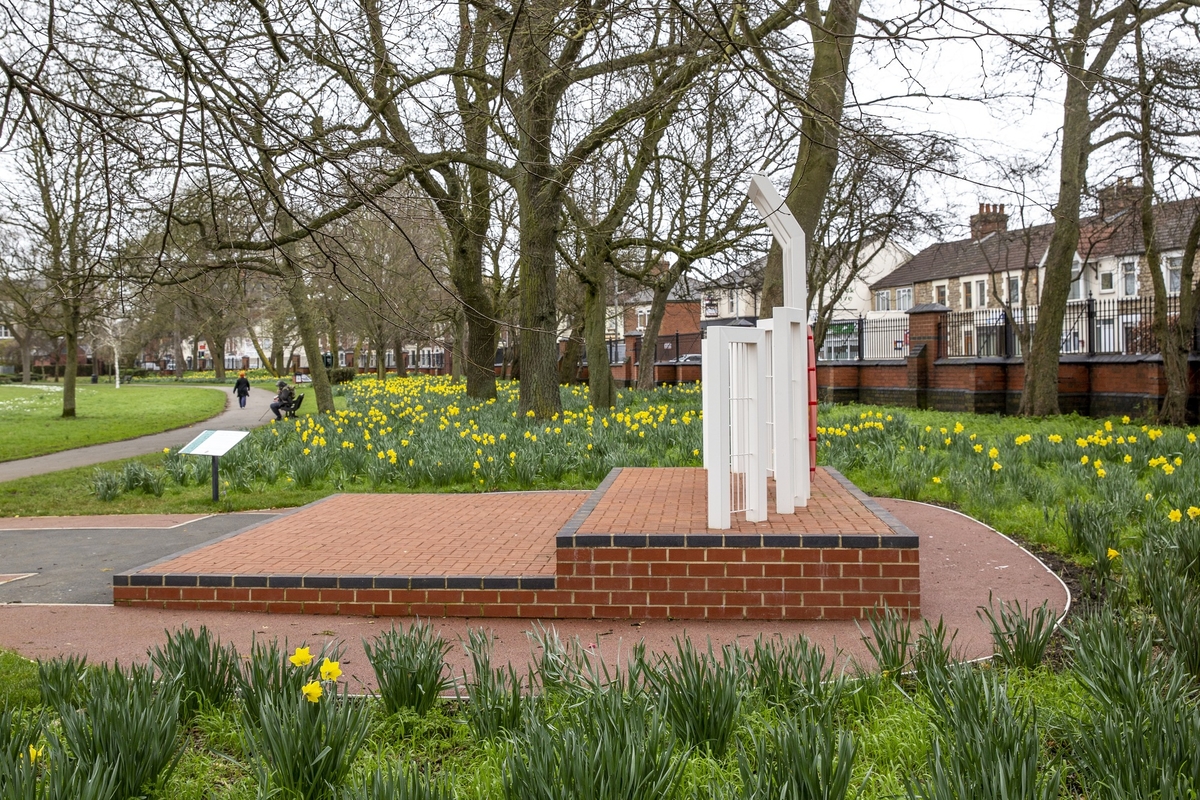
{"x": 396, "y": 534}
{"x": 675, "y": 500}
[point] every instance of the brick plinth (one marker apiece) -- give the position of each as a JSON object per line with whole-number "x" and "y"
{"x": 636, "y": 548}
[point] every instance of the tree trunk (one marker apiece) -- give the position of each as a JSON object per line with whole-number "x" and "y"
{"x": 602, "y": 391}
{"x": 401, "y": 360}
{"x": 333, "y": 339}
{"x": 263, "y": 358}
{"x": 177, "y": 334}
{"x": 537, "y": 283}
{"x": 658, "y": 308}
{"x": 71, "y": 341}
{"x": 306, "y": 323}
{"x": 1171, "y": 344}
{"x": 380, "y": 360}
{"x": 820, "y": 130}
{"x": 26, "y": 347}
{"x": 458, "y": 353}
{"x": 216, "y": 349}
{"x": 1040, "y": 395}
{"x": 568, "y": 363}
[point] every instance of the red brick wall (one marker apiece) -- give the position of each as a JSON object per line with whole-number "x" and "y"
{"x": 613, "y": 583}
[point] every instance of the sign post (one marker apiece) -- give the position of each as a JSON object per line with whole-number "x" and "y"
{"x": 215, "y": 444}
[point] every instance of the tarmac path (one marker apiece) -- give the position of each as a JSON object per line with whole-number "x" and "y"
{"x": 257, "y": 412}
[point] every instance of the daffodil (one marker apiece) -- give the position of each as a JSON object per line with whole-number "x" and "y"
{"x": 996, "y": 466}
{"x": 1175, "y": 515}
{"x": 312, "y": 691}
{"x": 330, "y": 670}
{"x": 1112, "y": 554}
{"x": 1193, "y": 512}
{"x": 993, "y": 453}
{"x": 936, "y": 479}
{"x": 301, "y": 658}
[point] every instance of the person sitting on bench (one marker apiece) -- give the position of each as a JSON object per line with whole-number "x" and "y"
{"x": 283, "y": 400}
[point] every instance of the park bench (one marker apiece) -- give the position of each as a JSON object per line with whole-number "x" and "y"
{"x": 290, "y": 409}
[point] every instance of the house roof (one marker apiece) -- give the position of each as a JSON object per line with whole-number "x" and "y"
{"x": 1024, "y": 248}
{"x": 748, "y": 276}
{"x": 995, "y": 252}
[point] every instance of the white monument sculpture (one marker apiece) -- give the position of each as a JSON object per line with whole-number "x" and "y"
{"x": 755, "y": 390}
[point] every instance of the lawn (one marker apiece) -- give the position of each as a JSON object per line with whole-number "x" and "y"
{"x": 31, "y": 422}
{"x": 402, "y": 435}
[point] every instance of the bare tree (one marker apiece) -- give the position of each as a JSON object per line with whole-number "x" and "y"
{"x": 874, "y": 200}
{"x": 1080, "y": 40}
{"x": 63, "y": 202}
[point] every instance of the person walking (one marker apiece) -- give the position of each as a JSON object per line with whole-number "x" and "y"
{"x": 241, "y": 388}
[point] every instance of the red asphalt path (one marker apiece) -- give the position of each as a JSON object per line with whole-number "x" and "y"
{"x": 962, "y": 561}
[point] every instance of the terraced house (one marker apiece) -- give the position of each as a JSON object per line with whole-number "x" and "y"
{"x": 996, "y": 275}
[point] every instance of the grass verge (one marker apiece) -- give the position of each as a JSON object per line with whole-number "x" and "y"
{"x": 31, "y": 421}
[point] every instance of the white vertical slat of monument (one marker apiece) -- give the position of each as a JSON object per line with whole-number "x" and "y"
{"x": 734, "y": 389}
{"x": 788, "y": 343}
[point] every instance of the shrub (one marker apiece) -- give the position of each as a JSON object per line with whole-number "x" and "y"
{"x": 615, "y": 746}
{"x": 128, "y": 727}
{"x": 1020, "y": 639}
{"x": 268, "y": 673}
{"x": 984, "y": 748}
{"x": 889, "y": 642}
{"x": 931, "y": 656}
{"x": 1165, "y": 571}
{"x": 701, "y": 695}
{"x": 409, "y": 666}
{"x": 61, "y": 681}
{"x": 342, "y": 374}
{"x": 801, "y": 758}
{"x": 401, "y": 783}
{"x": 304, "y": 747}
{"x": 106, "y": 485}
{"x": 206, "y": 671}
{"x": 794, "y": 674}
{"x": 35, "y": 766}
{"x": 496, "y": 703}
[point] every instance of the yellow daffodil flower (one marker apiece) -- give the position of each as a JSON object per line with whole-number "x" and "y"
{"x": 330, "y": 670}
{"x": 312, "y": 691}
{"x": 301, "y": 658}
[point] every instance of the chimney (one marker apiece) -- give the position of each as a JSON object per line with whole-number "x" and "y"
{"x": 1120, "y": 196}
{"x": 990, "y": 219}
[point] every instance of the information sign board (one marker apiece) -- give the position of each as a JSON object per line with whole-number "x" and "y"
{"x": 213, "y": 443}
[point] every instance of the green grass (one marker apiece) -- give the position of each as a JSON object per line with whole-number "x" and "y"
{"x": 31, "y": 422}
{"x": 18, "y": 680}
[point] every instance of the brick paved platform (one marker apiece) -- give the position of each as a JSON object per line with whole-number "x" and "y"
{"x": 635, "y": 548}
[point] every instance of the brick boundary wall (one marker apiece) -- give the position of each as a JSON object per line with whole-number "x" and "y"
{"x": 1099, "y": 385}
{"x": 614, "y": 576}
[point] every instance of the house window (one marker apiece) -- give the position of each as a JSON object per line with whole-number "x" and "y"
{"x": 1076, "y": 292}
{"x": 939, "y": 294}
{"x": 1014, "y": 291}
{"x": 981, "y": 293}
{"x": 732, "y": 302}
{"x": 1174, "y": 274}
{"x": 1106, "y": 281}
{"x": 712, "y": 306}
{"x": 904, "y": 299}
{"x": 4, "y": 332}
{"x": 1129, "y": 278}
{"x": 966, "y": 293}
{"x": 643, "y": 319}
{"x": 883, "y": 300}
